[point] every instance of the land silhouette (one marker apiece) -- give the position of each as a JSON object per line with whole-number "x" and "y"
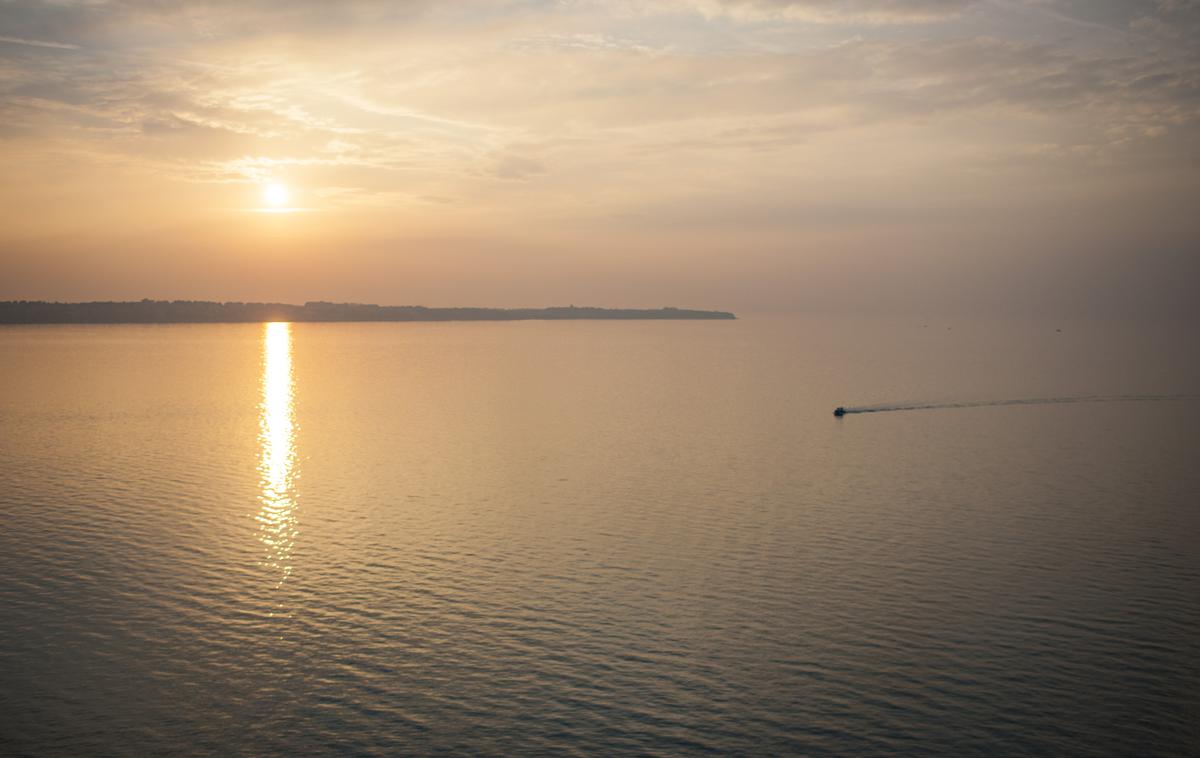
{"x": 201, "y": 311}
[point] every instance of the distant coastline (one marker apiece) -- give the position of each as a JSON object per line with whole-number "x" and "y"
{"x": 204, "y": 312}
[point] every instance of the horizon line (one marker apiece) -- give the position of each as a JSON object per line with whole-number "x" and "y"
{"x": 233, "y": 311}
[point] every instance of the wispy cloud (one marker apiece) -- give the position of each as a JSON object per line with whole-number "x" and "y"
{"x": 37, "y": 43}
{"x": 841, "y": 11}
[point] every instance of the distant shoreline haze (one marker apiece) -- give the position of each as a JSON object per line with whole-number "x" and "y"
{"x": 199, "y": 311}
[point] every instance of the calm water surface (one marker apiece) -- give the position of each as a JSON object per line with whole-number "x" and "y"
{"x": 598, "y": 538}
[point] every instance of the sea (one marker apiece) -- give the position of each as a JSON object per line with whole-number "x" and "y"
{"x": 601, "y": 538}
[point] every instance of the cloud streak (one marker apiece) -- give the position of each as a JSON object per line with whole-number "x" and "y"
{"x": 37, "y": 43}
{"x": 842, "y": 11}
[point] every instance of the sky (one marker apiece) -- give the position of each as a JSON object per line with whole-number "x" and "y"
{"x": 891, "y": 156}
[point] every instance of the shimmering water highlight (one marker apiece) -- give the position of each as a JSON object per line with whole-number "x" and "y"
{"x": 277, "y": 438}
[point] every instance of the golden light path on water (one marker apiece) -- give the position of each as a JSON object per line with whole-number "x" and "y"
{"x": 277, "y": 457}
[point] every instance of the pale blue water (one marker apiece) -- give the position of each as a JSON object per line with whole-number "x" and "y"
{"x": 599, "y": 539}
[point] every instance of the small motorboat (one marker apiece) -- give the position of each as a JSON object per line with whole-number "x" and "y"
{"x": 839, "y": 411}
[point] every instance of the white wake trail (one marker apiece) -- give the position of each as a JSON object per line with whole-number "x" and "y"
{"x": 891, "y": 407}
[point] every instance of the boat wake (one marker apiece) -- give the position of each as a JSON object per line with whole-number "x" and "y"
{"x": 890, "y": 407}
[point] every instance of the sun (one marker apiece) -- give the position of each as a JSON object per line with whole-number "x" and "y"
{"x": 275, "y": 194}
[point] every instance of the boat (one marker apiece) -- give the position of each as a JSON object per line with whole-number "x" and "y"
{"x": 839, "y": 411}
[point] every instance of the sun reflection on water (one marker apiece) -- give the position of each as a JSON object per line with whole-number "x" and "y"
{"x": 277, "y": 443}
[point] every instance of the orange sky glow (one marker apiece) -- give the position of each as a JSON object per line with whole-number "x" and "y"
{"x": 775, "y": 155}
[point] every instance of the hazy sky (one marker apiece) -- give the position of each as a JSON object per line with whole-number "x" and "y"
{"x": 915, "y": 156}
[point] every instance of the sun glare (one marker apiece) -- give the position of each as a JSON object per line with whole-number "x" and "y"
{"x": 276, "y": 195}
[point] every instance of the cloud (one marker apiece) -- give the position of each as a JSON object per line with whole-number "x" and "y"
{"x": 842, "y": 11}
{"x": 418, "y": 100}
{"x": 516, "y": 167}
{"x": 38, "y": 43}
{"x": 110, "y": 22}
{"x": 1179, "y": 6}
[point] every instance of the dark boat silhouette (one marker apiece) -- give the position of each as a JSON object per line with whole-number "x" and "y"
{"x": 839, "y": 411}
